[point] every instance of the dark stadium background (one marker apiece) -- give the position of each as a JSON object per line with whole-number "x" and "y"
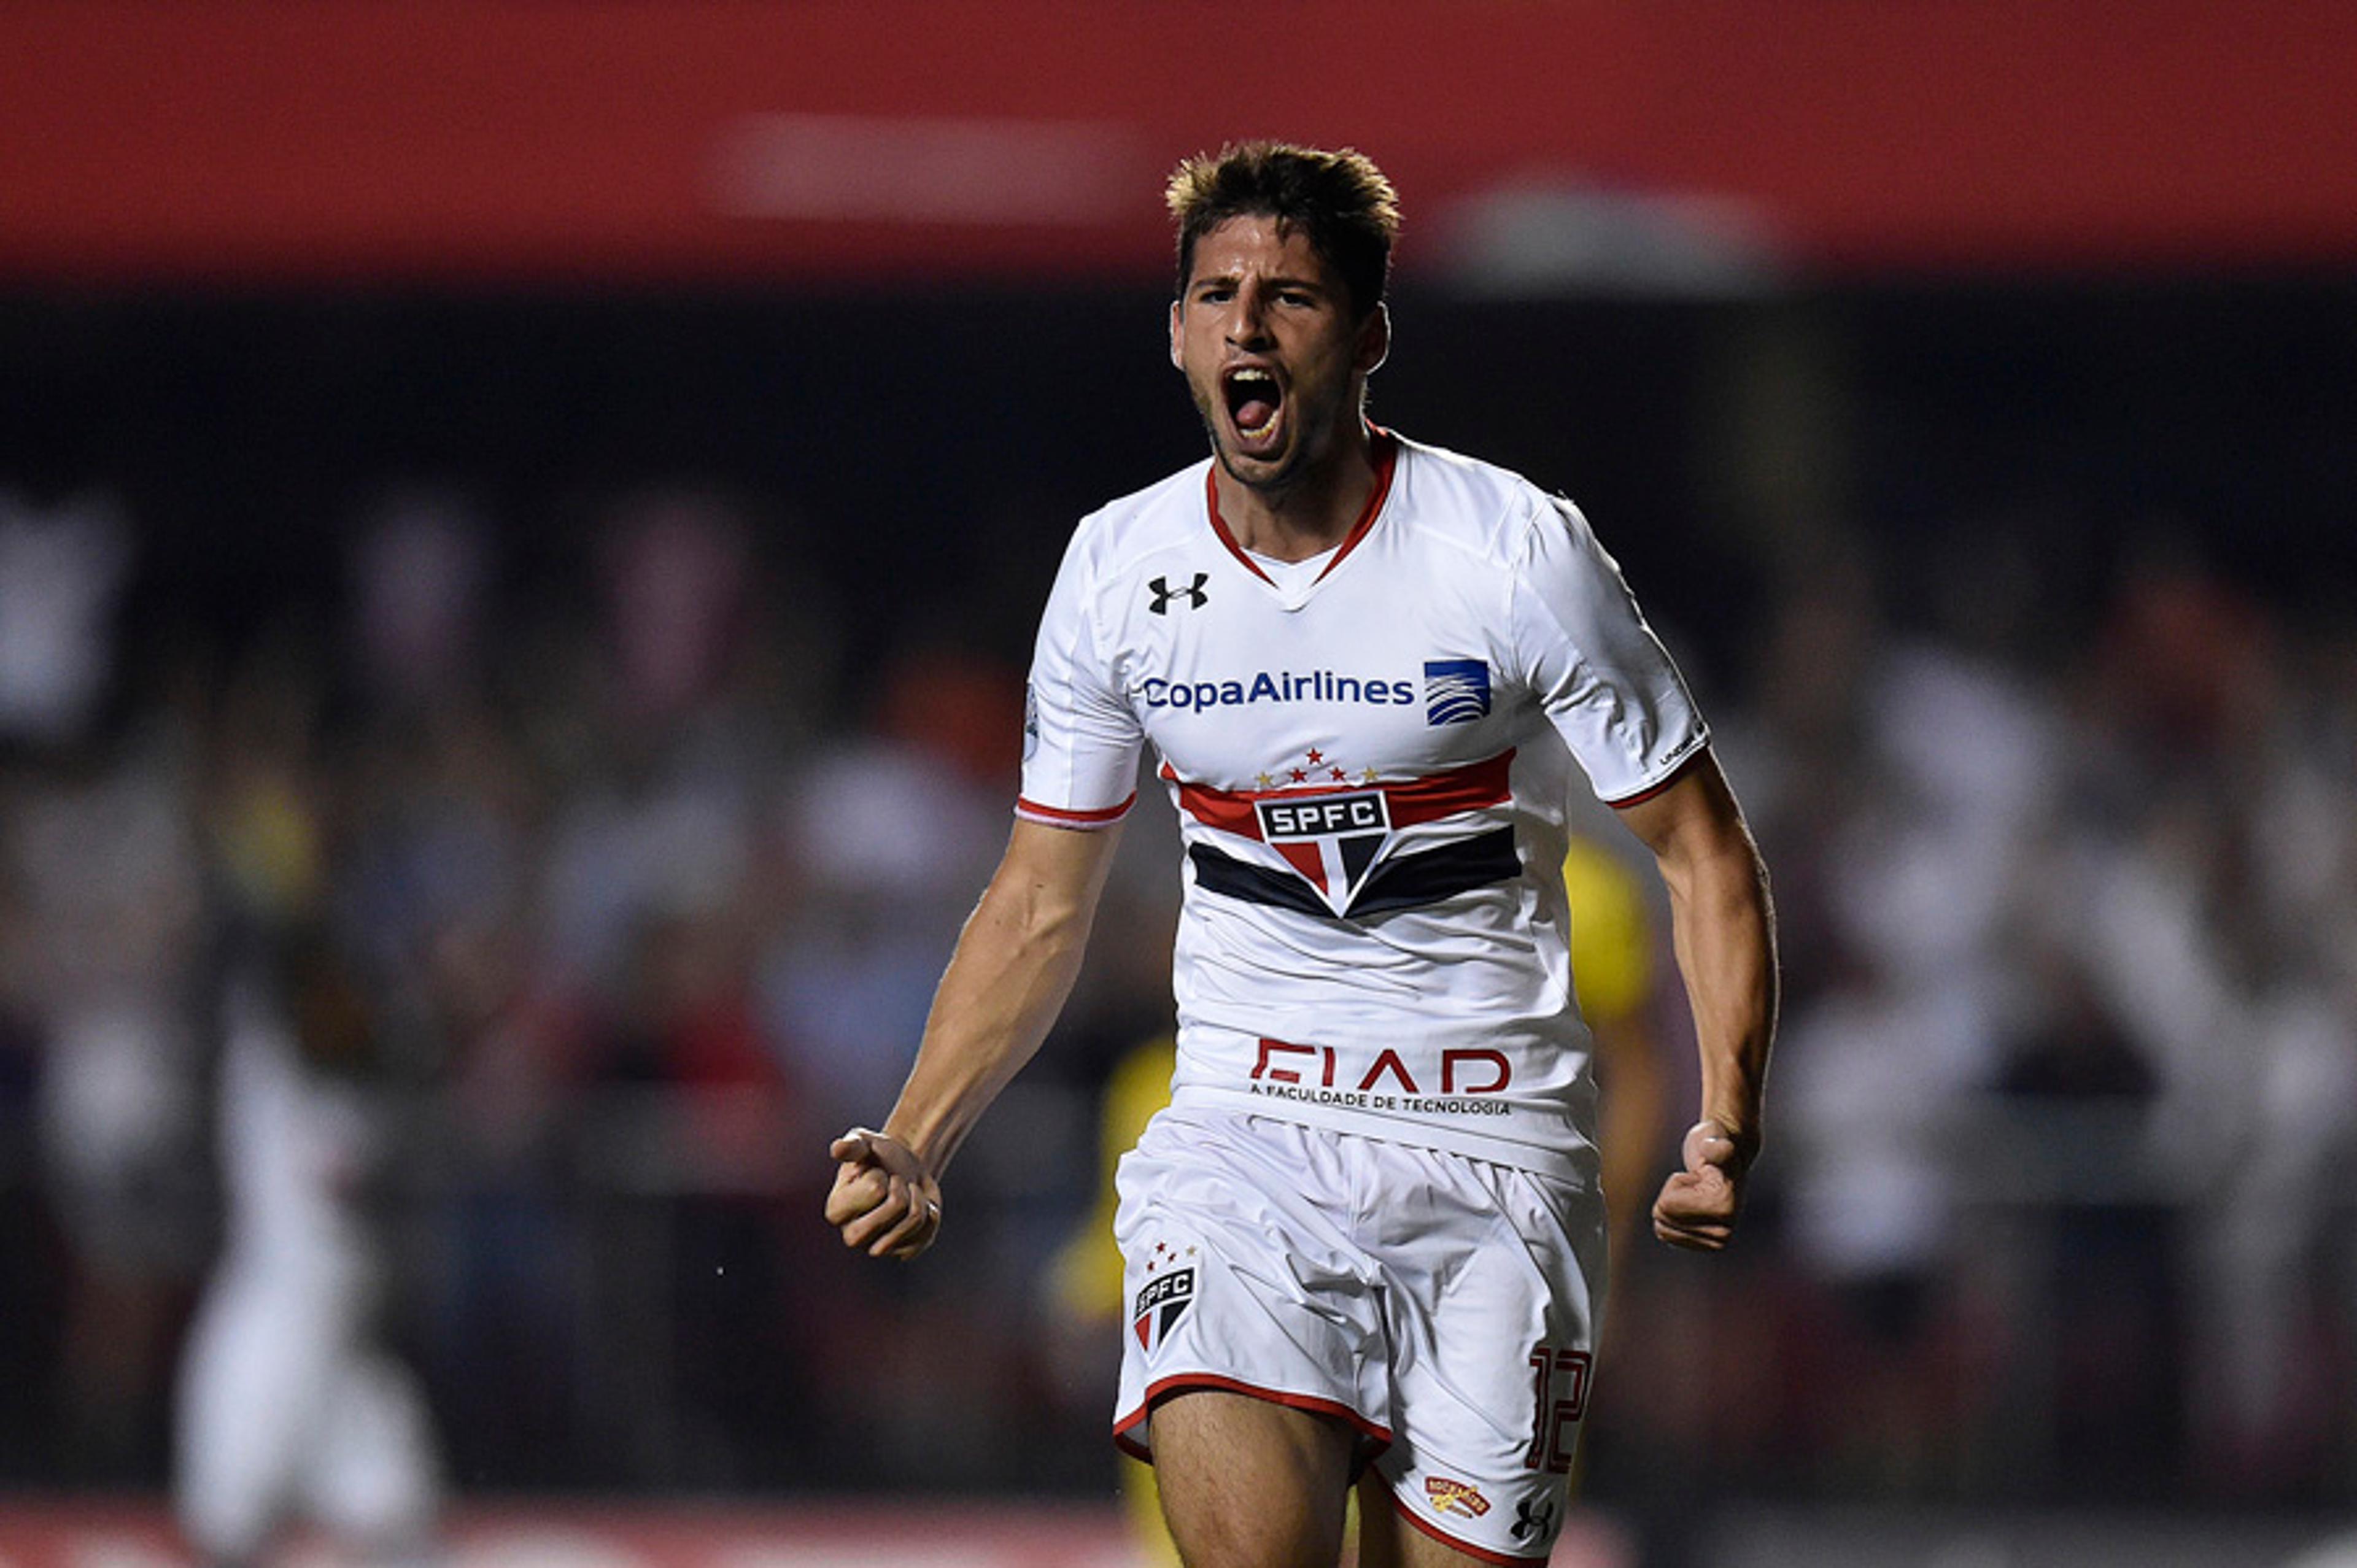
{"x": 1908, "y": 354}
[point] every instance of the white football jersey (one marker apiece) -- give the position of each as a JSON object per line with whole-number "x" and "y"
{"x": 1371, "y": 759}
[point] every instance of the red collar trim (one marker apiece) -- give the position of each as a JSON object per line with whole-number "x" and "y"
{"x": 1386, "y": 451}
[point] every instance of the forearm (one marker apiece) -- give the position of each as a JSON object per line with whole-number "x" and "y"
{"x": 1013, "y": 966}
{"x": 1723, "y": 925}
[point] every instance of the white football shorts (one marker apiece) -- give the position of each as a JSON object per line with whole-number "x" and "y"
{"x": 1444, "y": 1306}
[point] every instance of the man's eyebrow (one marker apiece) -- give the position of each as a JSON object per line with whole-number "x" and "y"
{"x": 1275, "y": 280}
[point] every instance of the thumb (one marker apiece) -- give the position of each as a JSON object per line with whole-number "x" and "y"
{"x": 1706, "y": 1144}
{"x": 854, "y": 1147}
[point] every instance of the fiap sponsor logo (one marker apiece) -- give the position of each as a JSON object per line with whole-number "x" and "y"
{"x": 1315, "y": 686}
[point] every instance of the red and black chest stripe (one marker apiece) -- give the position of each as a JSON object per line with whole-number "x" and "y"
{"x": 1347, "y": 848}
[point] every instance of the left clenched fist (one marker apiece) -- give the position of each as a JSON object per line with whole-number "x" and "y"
{"x": 1699, "y": 1205}
{"x": 884, "y": 1200}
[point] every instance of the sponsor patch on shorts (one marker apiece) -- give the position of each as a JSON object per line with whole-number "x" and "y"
{"x": 1459, "y": 1497}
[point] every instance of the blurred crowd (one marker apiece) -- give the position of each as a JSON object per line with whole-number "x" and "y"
{"x": 2068, "y": 1053}
{"x": 609, "y": 899}
{"x": 607, "y": 926}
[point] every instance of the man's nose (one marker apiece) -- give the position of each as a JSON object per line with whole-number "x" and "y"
{"x": 1248, "y": 326}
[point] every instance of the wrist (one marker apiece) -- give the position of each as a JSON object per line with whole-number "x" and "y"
{"x": 917, "y": 1142}
{"x": 1740, "y": 1131}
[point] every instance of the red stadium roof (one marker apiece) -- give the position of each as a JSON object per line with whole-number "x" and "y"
{"x": 710, "y": 139}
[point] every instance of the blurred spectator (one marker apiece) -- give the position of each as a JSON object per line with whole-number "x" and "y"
{"x": 61, "y": 573}
{"x": 2219, "y": 907}
{"x": 888, "y": 834}
{"x": 420, "y": 574}
{"x": 291, "y": 1410}
{"x": 107, "y": 863}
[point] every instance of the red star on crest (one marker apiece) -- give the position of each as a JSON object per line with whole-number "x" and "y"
{"x": 1316, "y": 756}
{"x": 1299, "y": 777}
{"x": 1340, "y": 774}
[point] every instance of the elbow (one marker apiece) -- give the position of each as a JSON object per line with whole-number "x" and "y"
{"x": 1036, "y": 916}
{"x": 1724, "y": 861}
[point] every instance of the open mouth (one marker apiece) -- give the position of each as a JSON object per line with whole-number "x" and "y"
{"x": 1254, "y": 401}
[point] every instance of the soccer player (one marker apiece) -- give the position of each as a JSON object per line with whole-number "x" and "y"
{"x": 291, "y": 1411}
{"x": 1365, "y": 1243}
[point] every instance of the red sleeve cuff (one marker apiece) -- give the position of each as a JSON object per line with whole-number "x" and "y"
{"x": 1059, "y": 817}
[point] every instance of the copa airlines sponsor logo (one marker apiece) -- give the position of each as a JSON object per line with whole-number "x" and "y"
{"x": 1277, "y": 686}
{"x": 1455, "y": 691}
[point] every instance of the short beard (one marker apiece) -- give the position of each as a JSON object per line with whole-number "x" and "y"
{"x": 1290, "y": 473}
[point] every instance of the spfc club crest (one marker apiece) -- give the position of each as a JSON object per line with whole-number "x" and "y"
{"x": 1331, "y": 840}
{"x": 1160, "y": 1305}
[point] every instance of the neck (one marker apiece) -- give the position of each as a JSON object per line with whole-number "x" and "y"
{"x": 1313, "y": 512}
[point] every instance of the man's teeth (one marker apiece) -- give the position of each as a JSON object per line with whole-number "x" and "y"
{"x": 1253, "y": 389}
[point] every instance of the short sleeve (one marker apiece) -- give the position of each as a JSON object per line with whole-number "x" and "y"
{"x": 1080, "y": 739}
{"x": 1604, "y": 681}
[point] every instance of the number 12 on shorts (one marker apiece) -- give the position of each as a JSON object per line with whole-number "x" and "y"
{"x": 1559, "y": 1395}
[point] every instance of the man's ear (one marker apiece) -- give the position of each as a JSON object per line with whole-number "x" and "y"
{"x": 1374, "y": 340}
{"x": 1175, "y": 306}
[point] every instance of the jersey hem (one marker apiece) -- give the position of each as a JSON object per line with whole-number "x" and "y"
{"x": 1179, "y": 1382}
{"x": 1575, "y": 1163}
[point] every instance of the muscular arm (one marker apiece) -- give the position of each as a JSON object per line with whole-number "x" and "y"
{"x": 1725, "y": 932}
{"x": 1013, "y": 966}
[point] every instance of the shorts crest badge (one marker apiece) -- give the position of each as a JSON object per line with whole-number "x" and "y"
{"x": 1159, "y": 1306}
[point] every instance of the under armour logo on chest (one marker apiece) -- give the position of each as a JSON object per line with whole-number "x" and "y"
{"x": 1192, "y": 592}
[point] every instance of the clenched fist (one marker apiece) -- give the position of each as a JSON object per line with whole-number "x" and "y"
{"x": 1699, "y": 1204}
{"x": 883, "y": 1199}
